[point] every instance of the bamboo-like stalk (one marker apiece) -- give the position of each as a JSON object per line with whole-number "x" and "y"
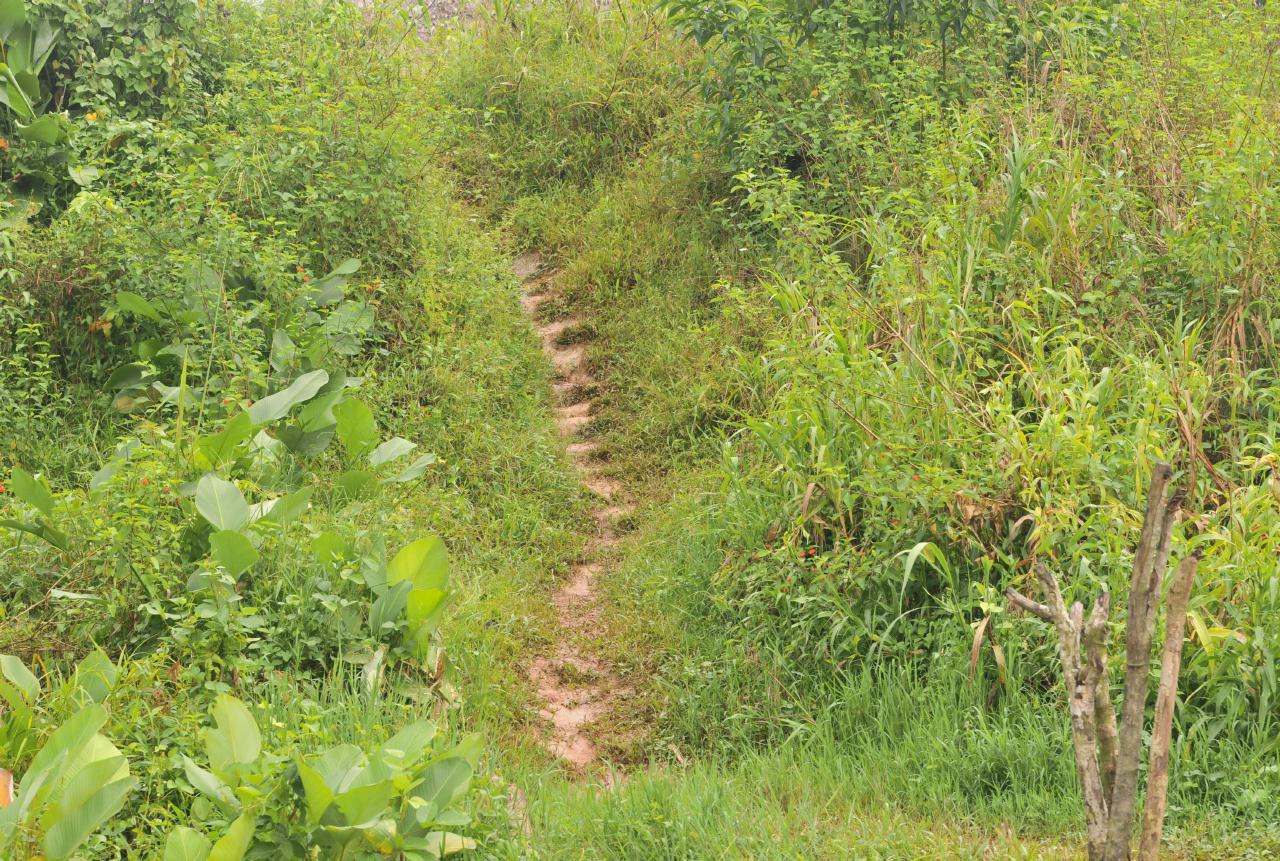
{"x": 1166, "y": 696}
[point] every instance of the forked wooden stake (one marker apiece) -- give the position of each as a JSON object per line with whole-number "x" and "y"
{"x": 1108, "y": 754}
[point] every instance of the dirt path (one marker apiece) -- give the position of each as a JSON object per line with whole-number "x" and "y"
{"x": 576, "y": 685}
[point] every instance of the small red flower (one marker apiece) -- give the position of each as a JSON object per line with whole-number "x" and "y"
{"x": 145, "y": 482}
{"x": 306, "y": 278}
{"x": 3, "y": 488}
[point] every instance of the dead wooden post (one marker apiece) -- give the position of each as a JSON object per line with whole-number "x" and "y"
{"x": 1108, "y": 753}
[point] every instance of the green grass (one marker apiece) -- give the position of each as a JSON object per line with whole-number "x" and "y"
{"x": 758, "y": 750}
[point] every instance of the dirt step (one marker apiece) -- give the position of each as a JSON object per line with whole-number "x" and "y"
{"x": 575, "y": 688}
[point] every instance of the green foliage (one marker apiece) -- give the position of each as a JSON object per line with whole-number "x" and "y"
{"x": 396, "y": 799}
{"x": 77, "y": 780}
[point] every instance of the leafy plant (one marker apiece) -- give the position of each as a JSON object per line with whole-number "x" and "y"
{"x": 77, "y": 780}
{"x": 395, "y": 800}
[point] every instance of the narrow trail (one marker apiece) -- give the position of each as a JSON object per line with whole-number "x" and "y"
{"x": 577, "y": 686}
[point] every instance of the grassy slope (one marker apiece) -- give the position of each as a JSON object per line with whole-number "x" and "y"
{"x": 578, "y": 147}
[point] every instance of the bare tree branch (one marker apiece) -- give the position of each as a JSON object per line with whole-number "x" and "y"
{"x": 1157, "y": 526}
{"x": 1166, "y": 695}
{"x": 1022, "y": 602}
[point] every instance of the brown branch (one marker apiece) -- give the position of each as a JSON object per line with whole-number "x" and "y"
{"x": 1152, "y": 545}
{"x": 1022, "y": 602}
{"x": 1167, "y": 693}
{"x": 1104, "y": 713}
{"x": 1080, "y": 696}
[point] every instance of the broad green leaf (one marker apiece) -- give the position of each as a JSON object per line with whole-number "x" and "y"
{"x": 84, "y": 175}
{"x": 136, "y": 305}
{"x": 86, "y": 781}
{"x": 234, "y": 740}
{"x": 328, "y": 547}
{"x": 43, "y": 531}
{"x": 186, "y": 844}
{"x": 232, "y": 845}
{"x": 319, "y": 413}
{"x": 423, "y": 563}
{"x": 363, "y": 805}
{"x": 289, "y": 507}
{"x": 278, "y": 405}
{"x": 424, "y": 606}
{"x": 389, "y": 607}
{"x": 233, "y": 551}
{"x": 221, "y": 503}
{"x": 221, "y": 447}
{"x": 354, "y": 483}
{"x": 66, "y": 743}
{"x": 283, "y": 351}
{"x": 32, "y": 490}
{"x": 390, "y": 450}
{"x": 130, "y": 376}
{"x": 75, "y": 825}
{"x": 13, "y": 14}
{"x": 442, "y": 783}
{"x": 306, "y": 443}
{"x": 414, "y": 470}
{"x": 317, "y": 793}
{"x": 23, "y": 679}
{"x": 406, "y": 746}
{"x": 339, "y": 766}
{"x": 46, "y": 129}
{"x": 357, "y": 429}
{"x": 209, "y": 785}
{"x": 96, "y": 675}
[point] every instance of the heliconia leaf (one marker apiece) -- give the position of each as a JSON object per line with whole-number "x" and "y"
{"x": 43, "y": 531}
{"x": 221, "y": 503}
{"x": 208, "y": 784}
{"x": 317, "y": 793}
{"x": 75, "y": 825}
{"x": 424, "y": 563}
{"x": 390, "y": 450}
{"x": 136, "y": 305}
{"x": 15, "y": 671}
{"x": 363, "y": 805}
{"x": 96, "y": 675}
{"x": 220, "y": 447}
{"x": 414, "y": 470}
{"x": 233, "y": 551}
{"x": 32, "y": 490}
{"x": 186, "y": 844}
{"x": 339, "y": 766}
{"x": 234, "y": 739}
{"x": 357, "y": 429}
{"x": 389, "y": 606}
{"x": 278, "y": 405}
{"x": 442, "y": 784}
{"x": 409, "y": 743}
{"x": 66, "y": 742}
{"x": 232, "y": 845}
{"x": 289, "y": 507}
